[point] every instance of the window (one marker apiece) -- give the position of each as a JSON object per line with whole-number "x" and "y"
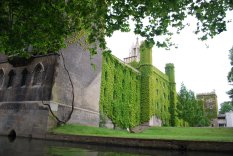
{"x": 123, "y": 83}
{"x": 115, "y": 79}
{"x": 1, "y": 77}
{"x": 124, "y": 72}
{"x": 106, "y": 76}
{"x": 11, "y": 76}
{"x": 114, "y": 95}
{"x": 38, "y": 71}
{"x": 105, "y": 92}
{"x": 24, "y": 77}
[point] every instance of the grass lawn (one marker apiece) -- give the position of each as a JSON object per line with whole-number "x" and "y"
{"x": 175, "y": 133}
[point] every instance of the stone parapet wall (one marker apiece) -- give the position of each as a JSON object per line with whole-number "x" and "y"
{"x": 28, "y": 91}
{"x": 25, "y": 118}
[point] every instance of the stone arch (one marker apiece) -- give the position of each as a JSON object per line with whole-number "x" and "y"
{"x": 24, "y": 77}
{"x": 11, "y": 76}
{"x": 38, "y": 73}
{"x": 12, "y": 135}
{"x": 1, "y": 77}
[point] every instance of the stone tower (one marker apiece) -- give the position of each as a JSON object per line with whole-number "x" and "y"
{"x": 146, "y": 69}
{"x": 134, "y": 54}
{"x": 210, "y": 105}
{"x": 170, "y": 72}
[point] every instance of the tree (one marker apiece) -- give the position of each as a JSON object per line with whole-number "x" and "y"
{"x": 42, "y": 26}
{"x": 230, "y": 75}
{"x": 190, "y": 109}
{"x": 226, "y": 107}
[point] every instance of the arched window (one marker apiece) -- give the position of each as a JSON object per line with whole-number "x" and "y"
{"x": 11, "y": 76}
{"x": 24, "y": 77}
{"x": 38, "y": 72}
{"x": 1, "y": 77}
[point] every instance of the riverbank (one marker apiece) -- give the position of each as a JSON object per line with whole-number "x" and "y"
{"x": 167, "y": 133}
{"x": 180, "y": 145}
{"x": 159, "y": 138}
{"x": 169, "y": 138}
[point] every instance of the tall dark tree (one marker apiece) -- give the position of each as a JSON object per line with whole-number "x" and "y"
{"x": 42, "y": 26}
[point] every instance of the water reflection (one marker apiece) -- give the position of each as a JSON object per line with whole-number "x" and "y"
{"x": 30, "y": 147}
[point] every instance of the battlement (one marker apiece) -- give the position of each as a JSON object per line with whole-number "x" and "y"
{"x": 207, "y": 94}
{"x": 130, "y": 59}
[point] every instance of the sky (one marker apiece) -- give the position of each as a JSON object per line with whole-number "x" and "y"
{"x": 202, "y": 66}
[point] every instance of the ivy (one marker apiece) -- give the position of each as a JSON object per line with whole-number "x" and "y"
{"x": 156, "y": 90}
{"x": 120, "y": 92}
{"x": 130, "y": 97}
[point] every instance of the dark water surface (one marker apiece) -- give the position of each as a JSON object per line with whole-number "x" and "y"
{"x": 31, "y": 147}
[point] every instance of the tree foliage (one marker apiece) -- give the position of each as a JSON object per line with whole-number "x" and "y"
{"x": 42, "y": 26}
{"x": 190, "y": 109}
{"x": 230, "y": 75}
{"x": 226, "y": 107}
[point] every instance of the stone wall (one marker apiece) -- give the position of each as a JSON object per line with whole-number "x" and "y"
{"x": 28, "y": 91}
{"x": 26, "y": 119}
{"x": 86, "y": 81}
{"x": 22, "y": 89}
{"x": 27, "y": 87}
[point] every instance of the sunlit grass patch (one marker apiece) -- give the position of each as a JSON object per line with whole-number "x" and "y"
{"x": 174, "y": 133}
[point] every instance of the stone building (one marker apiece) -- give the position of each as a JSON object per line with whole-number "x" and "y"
{"x": 28, "y": 88}
{"x": 135, "y": 92}
{"x": 210, "y": 106}
{"x": 38, "y": 93}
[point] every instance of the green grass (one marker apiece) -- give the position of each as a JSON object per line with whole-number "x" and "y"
{"x": 174, "y": 133}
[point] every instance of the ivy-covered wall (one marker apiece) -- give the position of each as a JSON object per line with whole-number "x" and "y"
{"x": 161, "y": 96}
{"x": 210, "y": 104}
{"x": 170, "y": 72}
{"x": 130, "y": 96}
{"x": 120, "y": 92}
{"x": 156, "y": 89}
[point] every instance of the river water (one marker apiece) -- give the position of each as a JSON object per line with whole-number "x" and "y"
{"x": 31, "y": 147}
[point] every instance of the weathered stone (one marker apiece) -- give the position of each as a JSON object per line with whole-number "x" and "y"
{"x": 42, "y": 81}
